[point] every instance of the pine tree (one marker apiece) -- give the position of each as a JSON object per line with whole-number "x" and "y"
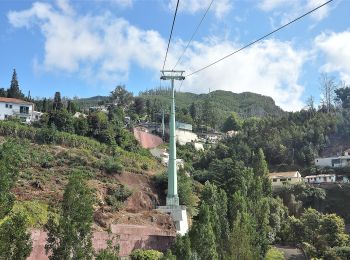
{"x": 71, "y": 237}
{"x": 45, "y": 107}
{"x": 3, "y": 92}
{"x": 261, "y": 171}
{"x": 15, "y": 241}
{"x": 202, "y": 235}
{"x": 14, "y": 91}
{"x": 57, "y": 102}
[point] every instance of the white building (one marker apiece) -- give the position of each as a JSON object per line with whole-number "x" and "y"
{"x": 12, "y": 107}
{"x": 165, "y": 160}
{"x": 321, "y": 178}
{"x": 278, "y": 179}
{"x": 335, "y": 161}
{"x": 184, "y": 133}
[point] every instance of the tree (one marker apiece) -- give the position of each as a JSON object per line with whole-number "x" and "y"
{"x": 57, "y": 102}
{"x": 343, "y": 95}
{"x": 233, "y": 122}
{"x": 121, "y": 97}
{"x": 14, "y": 90}
{"x": 45, "y": 106}
{"x": 3, "y": 92}
{"x": 81, "y": 126}
{"x": 139, "y": 105}
{"x": 62, "y": 120}
{"x": 328, "y": 87}
{"x": 71, "y": 236}
{"x": 193, "y": 112}
{"x": 182, "y": 247}
{"x": 261, "y": 171}
{"x": 241, "y": 239}
{"x": 15, "y": 241}
{"x": 72, "y": 107}
{"x": 202, "y": 235}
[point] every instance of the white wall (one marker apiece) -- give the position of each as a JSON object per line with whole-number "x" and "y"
{"x": 15, "y": 110}
{"x": 183, "y": 137}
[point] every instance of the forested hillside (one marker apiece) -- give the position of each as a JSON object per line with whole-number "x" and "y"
{"x": 218, "y": 104}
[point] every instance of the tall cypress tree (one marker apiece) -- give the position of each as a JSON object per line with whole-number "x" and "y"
{"x": 14, "y": 91}
{"x": 57, "y": 102}
{"x": 202, "y": 235}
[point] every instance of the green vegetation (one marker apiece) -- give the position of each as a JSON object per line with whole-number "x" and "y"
{"x": 212, "y": 108}
{"x": 274, "y": 254}
{"x": 15, "y": 242}
{"x": 70, "y": 237}
{"x": 140, "y": 254}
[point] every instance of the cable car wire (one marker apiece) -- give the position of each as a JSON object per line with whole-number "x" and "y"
{"x": 259, "y": 39}
{"x": 171, "y": 33}
{"x": 193, "y": 34}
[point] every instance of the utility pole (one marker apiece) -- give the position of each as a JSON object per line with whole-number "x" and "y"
{"x": 163, "y": 126}
{"x": 172, "y": 198}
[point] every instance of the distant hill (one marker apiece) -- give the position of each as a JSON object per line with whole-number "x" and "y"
{"x": 246, "y": 104}
{"x": 85, "y": 103}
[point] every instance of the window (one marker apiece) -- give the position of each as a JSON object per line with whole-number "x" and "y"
{"x": 7, "y": 105}
{"x": 289, "y": 179}
{"x": 274, "y": 180}
{"x": 324, "y": 178}
{"x": 24, "y": 110}
{"x": 10, "y": 106}
{"x": 6, "y": 116}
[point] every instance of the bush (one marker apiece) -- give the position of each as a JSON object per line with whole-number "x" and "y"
{"x": 140, "y": 254}
{"x": 274, "y": 254}
{"x": 117, "y": 195}
{"x": 338, "y": 253}
{"x": 111, "y": 165}
{"x": 35, "y": 212}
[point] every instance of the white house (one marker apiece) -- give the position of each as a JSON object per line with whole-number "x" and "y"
{"x": 335, "y": 161}
{"x": 321, "y": 178}
{"x": 278, "y": 179}
{"x": 165, "y": 160}
{"x": 12, "y": 107}
{"x": 184, "y": 133}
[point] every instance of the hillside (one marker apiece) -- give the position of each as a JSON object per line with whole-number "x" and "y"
{"x": 246, "y": 104}
{"x": 122, "y": 181}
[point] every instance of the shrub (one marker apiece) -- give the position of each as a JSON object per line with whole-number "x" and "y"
{"x": 117, "y": 195}
{"x": 35, "y": 212}
{"x": 111, "y": 165}
{"x": 140, "y": 254}
{"x": 274, "y": 254}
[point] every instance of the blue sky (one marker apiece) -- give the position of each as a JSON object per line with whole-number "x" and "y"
{"x": 87, "y": 47}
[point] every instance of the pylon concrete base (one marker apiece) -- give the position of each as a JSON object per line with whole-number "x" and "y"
{"x": 179, "y": 215}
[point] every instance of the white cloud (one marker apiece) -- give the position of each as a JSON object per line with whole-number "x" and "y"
{"x": 335, "y": 46}
{"x": 219, "y": 7}
{"x": 98, "y": 47}
{"x": 270, "y": 68}
{"x": 287, "y": 10}
{"x": 103, "y": 48}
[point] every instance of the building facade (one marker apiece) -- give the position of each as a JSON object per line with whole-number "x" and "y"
{"x": 12, "y": 107}
{"x": 278, "y": 179}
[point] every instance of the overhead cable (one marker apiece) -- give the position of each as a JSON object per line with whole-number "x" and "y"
{"x": 171, "y": 33}
{"x": 259, "y": 39}
{"x": 193, "y": 34}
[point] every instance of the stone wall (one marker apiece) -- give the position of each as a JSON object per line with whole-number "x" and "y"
{"x": 131, "y": 237}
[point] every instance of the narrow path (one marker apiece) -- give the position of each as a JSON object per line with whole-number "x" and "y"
{"x": 291, "y": 253}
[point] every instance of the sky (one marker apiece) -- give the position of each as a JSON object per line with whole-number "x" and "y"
{"x": 86, "y": 48}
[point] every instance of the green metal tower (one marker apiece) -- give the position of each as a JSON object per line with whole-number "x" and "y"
{"x": 172, "y": 199}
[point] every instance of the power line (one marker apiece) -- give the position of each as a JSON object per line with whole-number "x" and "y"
{"x": 171, "y": 33}
{"x": 259, "y": 39}
{"x": 194, "y": 33}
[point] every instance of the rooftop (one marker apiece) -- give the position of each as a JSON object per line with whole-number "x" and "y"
{"x": 14, "y": 100}
{"x": 284, "y": 174}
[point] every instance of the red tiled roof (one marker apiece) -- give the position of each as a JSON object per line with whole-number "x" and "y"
{"x": 14, "y": 100}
